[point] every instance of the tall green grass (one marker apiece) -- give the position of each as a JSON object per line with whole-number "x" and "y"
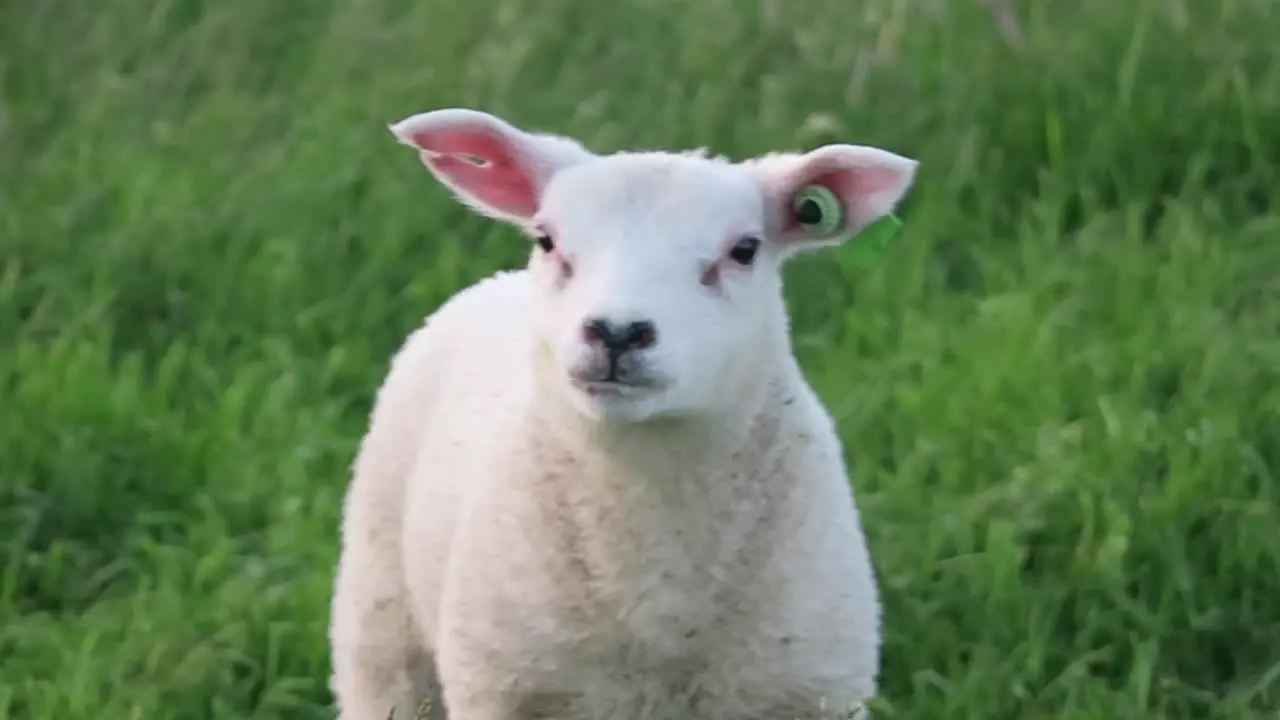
{"x": 1060, "y": 391}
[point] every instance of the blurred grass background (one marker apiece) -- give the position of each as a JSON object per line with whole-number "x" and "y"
{"x": 1060, "y": 390}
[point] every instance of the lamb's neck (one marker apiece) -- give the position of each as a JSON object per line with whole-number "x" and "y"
{"x": 666, "y": 452}
{"x": 677, "y": 458}
{"x": 667, "y": 503}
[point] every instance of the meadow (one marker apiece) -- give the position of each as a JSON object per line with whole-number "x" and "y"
{"x": 1059, "y": 389}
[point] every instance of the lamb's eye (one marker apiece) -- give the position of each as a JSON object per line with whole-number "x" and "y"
{"x": 818, "y": 210}
{"x": 744, "y": 252}
{"x": 545, "y": 242}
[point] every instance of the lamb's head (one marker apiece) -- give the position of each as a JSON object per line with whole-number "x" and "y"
{"x": 657, "y": 273}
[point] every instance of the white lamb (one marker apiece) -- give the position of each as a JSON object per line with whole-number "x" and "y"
{"x": 600, "y": 488}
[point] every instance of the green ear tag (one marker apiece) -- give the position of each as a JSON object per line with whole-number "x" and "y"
{"x": 820, "y": 212}
{"x": 867, "y": 245}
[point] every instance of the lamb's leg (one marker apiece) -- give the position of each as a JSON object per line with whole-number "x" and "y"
{"x": 375, "y": 646}
{"x": 502, "y": 707}
{"x": 377, "y": 651}
{"x": 423, "y": 701}
{"x": 473, "y": 691}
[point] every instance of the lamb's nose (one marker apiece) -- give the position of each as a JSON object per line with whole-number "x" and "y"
{"x": 618, "y": 338}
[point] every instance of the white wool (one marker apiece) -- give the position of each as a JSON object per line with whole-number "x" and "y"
{"x": 521, "y": 541}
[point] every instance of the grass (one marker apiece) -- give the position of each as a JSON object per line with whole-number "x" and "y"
{"x": 1060, "y": 389}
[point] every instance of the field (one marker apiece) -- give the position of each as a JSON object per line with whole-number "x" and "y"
{"x": 1060, "y": 389}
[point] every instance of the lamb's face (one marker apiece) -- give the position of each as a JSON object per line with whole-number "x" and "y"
{"x": 655, "y": 281}
{"x": 656, "y": 273}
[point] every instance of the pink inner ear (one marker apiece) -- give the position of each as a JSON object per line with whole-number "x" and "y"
{"x": 503, "y": 183}
{"x": 852, "y": 185}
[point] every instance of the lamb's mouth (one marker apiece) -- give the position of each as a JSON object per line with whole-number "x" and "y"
{"x": 613, "y": 388}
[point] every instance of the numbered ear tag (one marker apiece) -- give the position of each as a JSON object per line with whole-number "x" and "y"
{"x": 868, "y": 245}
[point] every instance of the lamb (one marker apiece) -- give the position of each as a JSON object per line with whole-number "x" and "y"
{"x": 600, "y": 487}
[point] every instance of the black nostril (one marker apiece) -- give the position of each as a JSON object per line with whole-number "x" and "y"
{"x": 640, "y": 335}
{"x": 635, "y": 336}
{"x": 597, "y": 332}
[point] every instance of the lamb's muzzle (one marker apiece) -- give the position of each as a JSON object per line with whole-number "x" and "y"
{"x": 618, "y": 338}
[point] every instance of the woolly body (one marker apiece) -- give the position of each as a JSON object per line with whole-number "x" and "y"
{"x": 519, "y": 543}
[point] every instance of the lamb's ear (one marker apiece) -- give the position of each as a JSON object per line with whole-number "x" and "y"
{"x": 825, "y": 196}
{"x": 495, "y": 168}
